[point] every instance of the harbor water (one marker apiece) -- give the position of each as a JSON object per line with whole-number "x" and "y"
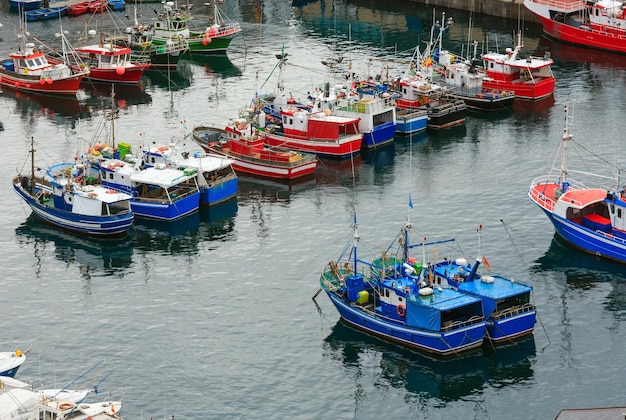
{"x": 213, "y": 316}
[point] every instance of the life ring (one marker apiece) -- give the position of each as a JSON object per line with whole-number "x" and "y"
{"x": 66, "y": 405}
{"x": 401, "y": 310}
{"x": 111, "y": 191}
{"x": 92, "y": 195}
{"x": 79, "y": 178}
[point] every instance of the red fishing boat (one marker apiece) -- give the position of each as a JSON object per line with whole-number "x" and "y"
{"x": 596, "y": 24}
{"x": 247, "y": 148}
{"x": 78, "y": 9}
{"x": 111, "y": 63}
{"x": 320, "y": 133}
{"x": 29, "y": 70}
{"x": 530, "y": 78}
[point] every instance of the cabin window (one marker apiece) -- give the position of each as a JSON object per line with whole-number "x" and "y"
{"x": 106, "y": 59}
{"x": 399, "y": 299}
{"x": 22, "y": 63}
{"x": 386, "y": 292}
{"x": 290, "y": 121}
{"x": 111, "y": 175}
{"x": 619, "y": 213}
{"x": 39, "y": 61}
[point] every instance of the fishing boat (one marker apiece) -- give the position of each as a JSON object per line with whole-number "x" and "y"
{"x": 592, "y": 219}
{"x": 140, "y": 39}
{"x": 372, "y": 105}
{"x": 595, "y": 24}
{"x": 79, "y": 8}
{"x": 402, "y": 308}
{"x": 97, "y": 6}
{"x": 174, "y": 23}
{"x": 45, "y": 13}
{"x": 246, "y": 147}
{"x": 10, "y": 362}
{"x": 466, "y": 76}
{"x": 217, "y": 179}
{"x": 419, "y": 91}
{"x": 31, "y": 70}
{"x": 65, "y": 198}
{"x": 506, "y": 303}
{"x": 158, "y": 192}
{"x": 530, "y": 78}
{"x": 111, "y": 63}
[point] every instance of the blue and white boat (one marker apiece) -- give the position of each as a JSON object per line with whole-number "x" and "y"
{"x": 63, "y": 198}
{"x": 506, "y": 303}
{"x": 411, "y": 120}
{"x": 402, "y": 308}
{"x": 10, "y": 362}
{"x": 158, "y": 192}
{"x": 217, "y": 179}
{"x": 592, "y": 219}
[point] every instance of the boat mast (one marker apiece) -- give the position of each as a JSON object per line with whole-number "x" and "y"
{"x": 32, "y": 165}
{"x": 566, "y": 137}
{"x": 354, "y": 246}
{"x": 113, "y": 117}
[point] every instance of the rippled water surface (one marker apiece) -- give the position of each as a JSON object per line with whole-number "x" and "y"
{"x": 213, "y": 317}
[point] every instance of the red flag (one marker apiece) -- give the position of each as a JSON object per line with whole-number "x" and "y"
{"x": 487, "y": 265}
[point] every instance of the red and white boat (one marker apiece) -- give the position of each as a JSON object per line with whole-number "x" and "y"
{"x": 320, "y": 133}
{"x": 29, "y": 70}
{"x": 111, "y": 63}
{"x": 79, "y": 8}
{"x": 247, "y": 148}
{"x": 530, "y": 78}
{"x": 97, "y": 6}
{"x": 596, "y": 24}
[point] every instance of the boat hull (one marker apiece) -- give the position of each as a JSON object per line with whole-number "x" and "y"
{"x": 583, "y": 35}
{"x": 165, "y": 210}
{"x": 130, "y": 75}
{"x": 526, "y": 91}
{"x": 200, "y": 45}
{"x": 332, "y": 149}
{"x": 503, "y": 331}
{"x": 411, "y": 121}
{"x": 587, "y": 240}
{"x": 437, "y": 343}
{"x": 67, "y": 86}
{"x": 101, "y": 226}
{"x": 219, "y": 192}
{"x": 486, "y": 102}
{"x": 381, "y": 135}
{"x": 447, "y": 115}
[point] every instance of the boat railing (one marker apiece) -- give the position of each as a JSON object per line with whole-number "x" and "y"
{"x": 567, "y": 6}
{"x": 611, "y": 237}
{"x": 455, "y": 324}
{"x": 514, "y": 310}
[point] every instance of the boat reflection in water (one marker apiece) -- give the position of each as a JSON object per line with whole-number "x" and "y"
{"x": 565, "y": 54}
{"x": 537, "y": 108}
{"x": 49, "y": 106}
{"x": 103, "y": 255}
{"x": 256, "y": 189}
{"x": 580, "y": 269}
{"x": 214, "y": 65}
{"x": 185, "y": 235}
{"x": 333, "y": 172}
{"x": 168, "y": 79}
{"x": 447, "y": 380}
{"x": 125, "y": 95}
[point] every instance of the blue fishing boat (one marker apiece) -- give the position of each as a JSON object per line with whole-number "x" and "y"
{"x": 592, "y": 219}
{"x": 64, "y": 199}
{"x": 506, "y": 303}
{"x": 402, "y": 308}
{"x": 24, "y": 4}
{"x": 411, "y": 120}
{"x": 158, "y": 192}
{"x": 217, "y": 179}
{"x": 45, "y": 13}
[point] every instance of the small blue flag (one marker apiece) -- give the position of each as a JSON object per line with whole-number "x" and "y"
{"x": 410, "y": 201}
